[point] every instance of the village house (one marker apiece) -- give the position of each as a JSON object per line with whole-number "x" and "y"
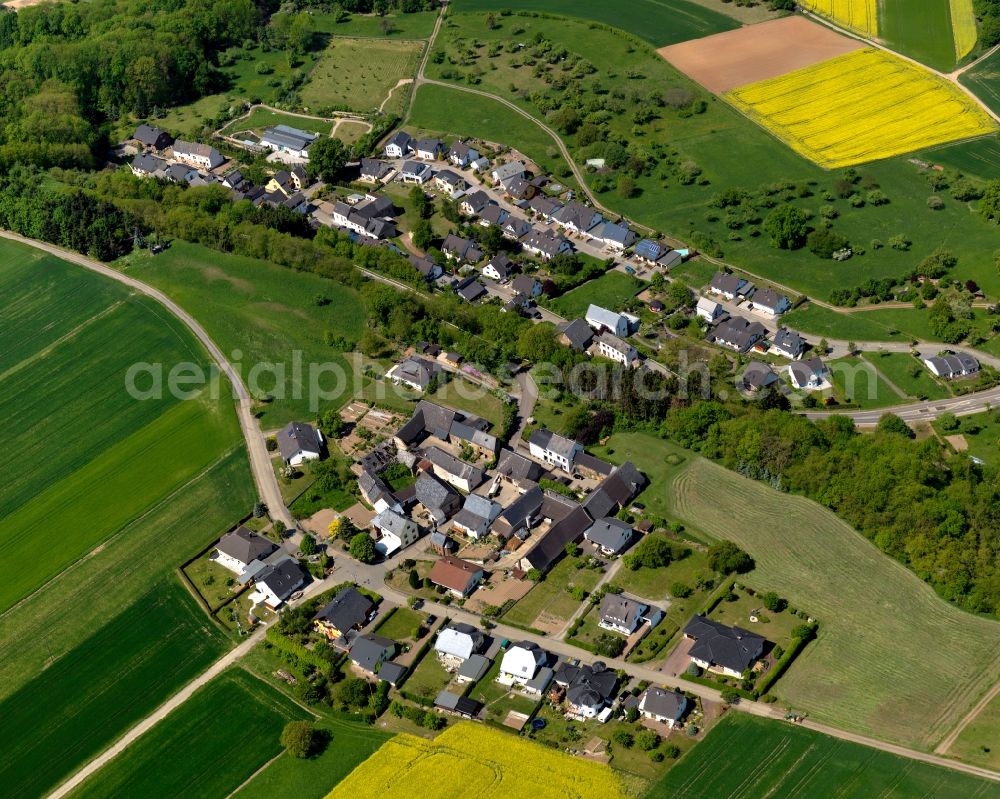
{"x": 430, "y": 149}
{"x": 299, "y": 442}
{"x": 464, "y": 476}
{"x": 238, "y": 549}
{"x": 578, "y": 218}
{"x": 553, "y": 449}
{"x": 281, "y": 181}
{"x": 809, "y": 375}
{"x": 416, "y": 172}
{"x": 476, "y": 516}
{"x": 543, "y": 207}
{"x": 474, "y": 203}
{"x": 415, "y": 372}
{"x": 515, "y": 229}
{"x": 518, "y": 189}
{"x": 439, "y": 499}
{"x": 610, "y": 535}
{"x": 457, "y": 642}
{"x": 758, "y": 375}
{"x": 576, "y": 334}
{"x": 616, "y": 349}
{"x": 375, "y": 170}
{"x": 399, "y": 146}
{"x": 456, "y": 575}
{"x": 589, "y": 688}
{"x": 458, "y": 249}
{"x": 729, "y": 286}
{"x": 512, "y": 169}
{"x": 393, "y": 531}
{"x": 769, "y": 302}
{"x": 499, "y": 268}
{"x": 737, "y": 333}
{"x": 274, "y": 584}
{"x": 493, "y": 214}
{"x": 369, "y": 652}
{"x": 615, "y": 491}
{"x": 375, "y": 492}
{"x": 348, "y": 610}
{"x": 615, "y": 236}
{"x": 602, "y": 319}
{"x": 521, "y": 663}
{"x": 427, "y": 268}
{"x": 621, "y": 614}
{"x": 649, "y": 251}
{"x": 450, "y": 183}
{"x": 526, "y": 285}
{"x": 717, "y": 647}
{"x": 197, "y": 154}
{"x": 288, "y": 140}
{"x": 666, "y": 707}
{"x": 516, "y": 468}
{"x": 520, "y": 516}
{"x": 952, "y": 365}
{"x": 149, "y": 136}
{"x": 788, "y": 343}
{"x": 568, "y": 522}
{"x": 145, "y": 165}
{"x": 470, "y": 289}
{"x": 461, "y": 154}
{"x": 709, "y": 310}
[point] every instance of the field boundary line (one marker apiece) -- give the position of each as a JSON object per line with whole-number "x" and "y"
{"x": 253, "y": 776}
{"x": 953, "y": 736}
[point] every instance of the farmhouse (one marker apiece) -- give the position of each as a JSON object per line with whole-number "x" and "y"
{"x": 621, "y": 614}
{"x": 770, "y": 303}
{"x": 348, "y": 610}
{"x": 610, "y": 535}
{"x": 616, "y": 349}
{"x": 615, "y": 491}
{"x": 299, "y": 442}
{"x": 278, "y": 581}
{"x": 709, "y": 310}
{"x": 393, "y": 531}
{"x": 553, "y": 449}
{"x": 717, "y": 647}
{"x": 729, "y": 286}
{"x": 288, "y": 140}
{"x": 951, "y": 365}
{"x": 515, "y": 467}
{"x": 458, "y": 642}
{"x": 601, "y": 318}
{"x": 458, "y": 576}
{"x": 368, "y": 652}
{"x": 521, "y": 663}
{"x": 238, "y": 549}
{"x": 589, "y": 689}
{"x": 569, "y": 522}
{"x": 667, "y": 707}
{"x": 149, "y": 136}
{"x": 400, "y": 145}
{"x": 196, "y": 154}
{"x": 809, "y": 375}
{"x": 788, "y": 343}
{"x": 461, "y": 154}
{"x": 438, "y": 498}
{"x": 415, "y": 372}
{"x": 518, "y": 517}
{"x": 738, "y": 333}
{"x": 476, "y": 516}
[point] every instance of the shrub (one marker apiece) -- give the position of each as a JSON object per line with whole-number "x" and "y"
{"x": 680, "y": 591}
{"x": 730, "y": 696}
{"x": 773, "y": 602}
{"x": 726, "y": 558}
{"x": 647, "y": 740}
{"x": 299, "y": 738}
{"x": 623, "y": 738}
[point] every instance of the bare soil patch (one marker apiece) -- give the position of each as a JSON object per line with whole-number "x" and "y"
{"x": 747, "y": 55}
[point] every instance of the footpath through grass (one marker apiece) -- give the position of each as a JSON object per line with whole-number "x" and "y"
{"x": 747, "y": 757}
{"x": 77, "y": 706}
{"x": 868, "y": 603}
{"x": 207, "y": 747}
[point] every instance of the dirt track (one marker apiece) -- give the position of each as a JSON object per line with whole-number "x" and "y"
{"x": 737, "y": 58}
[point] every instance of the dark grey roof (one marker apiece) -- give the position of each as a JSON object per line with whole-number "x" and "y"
{"x": 543, "y": 241}
{"x": 758, "y": 375}
{"x": 429, "y": 145}
{"x": 621, "y": 610}
{"x": 544, "y": 206}
{"x": 525, "y": 284}
{"x": 553, "y": 442}
{"x": 615, "y": 491}
{"x": 245, "y": 546}
{"x": 726, "y": 283}
{"x": 473, "y": 667}
{"x": 282, "y": 578}
{"x": 612, "y": 534}
{"x": 503, "y": 265}
{"x": 552, "y": 545}
{"x": 520, "y": 513}
{"x": 433, "y": 493}
{"x": 578, "y": 333}
{"x": 348, "y": 610}
{"x": 477, "y": 201}
{"x": 517, "y": 467}
{"x": 739, "y": 332}
{"x": 428, "y": 418}
{"x": 731, "y": 647}
{"x": 292, "y": 138}
{"x": 375, "y": 167}
{"x": 585, "y": 460}
{"x": 402, "y": 139}
{"x": 805, "y": 370}
{"x": 391, "y": 672}
{"x": 455, "y": 466}
{"x": 418, "y": 370}
{"x": 586, "y": 685}
{"x": 668, "y": 704}
{"x": 147, "y": 163}
{"x": 152, "y": 136}
{"x": 425, "y": 266}
{"x": 789, "y": 340}
{"x": 649, "y": 249}
{"x": 367, "y": 650}
{"x": 952, "y": 365}
{"x": 461, "y": 150}
{"x": 493, "y": 214}
{"x": 297, "y": 437}
{"x": 578, "y": 216}
{"x": 516, "y": 228}
{"x": 769, "y": 298}
{"x": 471, "y": 290}
{"x": 457, "y": 704}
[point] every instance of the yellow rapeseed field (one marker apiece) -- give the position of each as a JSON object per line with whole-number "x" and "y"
{"x": 963, "y": 26}
{"x": 472, "y": 761}
{"x": 858, "y": 15}
{"x": 860, "y": 107}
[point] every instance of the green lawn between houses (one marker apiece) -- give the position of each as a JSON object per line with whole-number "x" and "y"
{"x": 209, "y": 746}
{"x": 551, "y": 596}
{"x": 864, "y": 600}
{"x": 745, "y": 756}
{"x": 909, "y": 374}
{"x": 611, "y": 290}
{"x": 261, "y": 118}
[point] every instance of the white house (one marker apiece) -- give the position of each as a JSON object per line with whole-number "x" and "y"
{"x": 621, "y": 613}
{"x": 429, "y": 149}
{"x": 394, "y": 531}
{"x": 616, "y": 349}
{"x": 291, "y": 141}
{"x": 458, "y": 642}
{"x": 709, "y": 310}
{"x": 720, "y": 648}
{"x": 197, "y": 154}
{"x": 414, "y": 372}
{"x": 809, "y": 375}
{"x": 299, "y": 442}
{"x": 598, "y": 317}
{"x": 666, "y": 707}
{"x": 609, "y": 534}
{"x": 238, "y": 549}
{"x": 788, "y": 343}
{"x": 450, "y": 183}
{"x": 616, "y": 236}
{"x": 499, "y": 268}
{"x": 521, "y": 662}
{"x": 770, "y": 303}
{"x": 951, "y": 365}
{"x": 512, "y": 169}
{"x": 526, "y": 285}
{"x": 461, "y": 154}
{"x": 553, "y": 449}
{"x": 416, "y": 172}
{"x": 729, "y": 286}
{"x": 276, "y": 583}
{"x": 578, "y": 218}
{"x": 400, "y": 145}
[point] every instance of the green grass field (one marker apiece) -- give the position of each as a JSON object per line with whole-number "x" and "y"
{"x": 259, "y": 313}
{"x": 357, "y": 74}
{"x": 207, "y": 747}
{"x": 401, "y": 26}
{"x": 659, "y": 22}
{"x": 400, "y": 624}
{"x": 655, "y": 583}
{"x": 261, "y": 118}
{"x": 867, "y": 602}
{"x": 611, "y": 290}
{"x": 984, "y": 80}
{"x": 920, "y": 29}
{"x": 550, "y": 599}
{"x": 349, "y": 746}
{"x": 909, "y": 374}
{"x": 746, "y": 757}
{"x": 856, "y": 382}
{"x": 85, "y": 699}
{"x": 979, "y": 743}
{"x": 100, "y": 457}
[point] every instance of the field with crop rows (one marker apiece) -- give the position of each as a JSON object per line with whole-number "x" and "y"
{"x": 963, "y": 26}
{"x": 746, "y": 757}
{"x": 863, "y": 106}
{"x": 850, "y": 677}
{"x": 921, "y": 29}
{"x": 472, "y": 761}
{"x": 984, "y": 80}
{"x": 78, "y": 705}
{"x": 856, "y": 15}
{"x": 357, "y": 74}
{"x": 207, "y": 747}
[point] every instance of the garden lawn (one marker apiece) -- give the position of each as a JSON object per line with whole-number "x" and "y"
{"x": 864, "y": 600}
{"x": 984, "y": 80}
{"x": 979, "y": 742}
{"x": 789, "y": 760}
{"x": 857, "y": 382}
{"x": 349, "y": 131}
{"x": 982, "y": 435}
{"x": 312, "y": 778}
{"x": 77, "y": 706}
{"x": 551, "y": 596}
{"x": 470, "y": 398}
{"x": 260, "y": 313}
{"x": 611, "y": 290}
{"x": 261, "y": 118}
{"x": 909, "y": 374}
{"x": 400, "y": 624}
{"x": 659, "y": 22}
{"x": 401, "y": 26}
{"x": 655, "y": 583}
{"x": 357, "y": 74}
{"x": 428, "y": 678}
{"x": 208, "y": 747}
